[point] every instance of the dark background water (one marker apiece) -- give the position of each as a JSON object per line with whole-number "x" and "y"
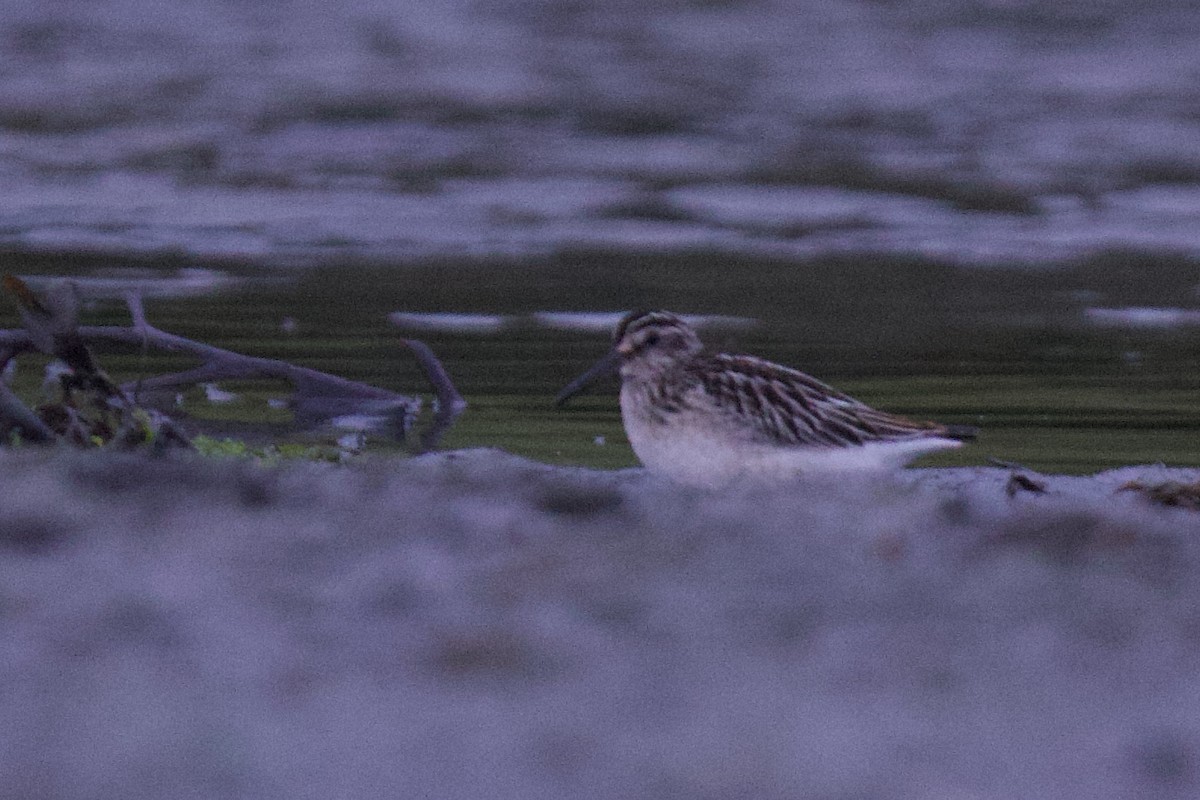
{"x": 924, "y": 203}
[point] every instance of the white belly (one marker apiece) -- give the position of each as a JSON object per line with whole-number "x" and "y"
{"x": 696, "y": 456}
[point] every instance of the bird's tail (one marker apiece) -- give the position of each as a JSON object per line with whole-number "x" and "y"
{"x": 962, "y": 433}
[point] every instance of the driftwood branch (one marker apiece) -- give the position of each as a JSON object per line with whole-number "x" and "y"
{"x": 449, "y": 403}
{"x": 318, "y": 396}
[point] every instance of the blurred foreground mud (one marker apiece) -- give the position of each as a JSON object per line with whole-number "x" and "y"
{"x": 472, "y": 624}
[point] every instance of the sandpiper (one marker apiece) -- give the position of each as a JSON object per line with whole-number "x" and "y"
{"x": 706, "y": 419}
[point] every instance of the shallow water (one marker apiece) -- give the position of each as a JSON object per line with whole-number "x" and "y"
{"x": 1012, "y": 353}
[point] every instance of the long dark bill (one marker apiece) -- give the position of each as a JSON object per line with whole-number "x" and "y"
{"x": 601, "y": 368}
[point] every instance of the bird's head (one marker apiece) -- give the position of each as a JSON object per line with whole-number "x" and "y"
{"x": 645, "y": 343}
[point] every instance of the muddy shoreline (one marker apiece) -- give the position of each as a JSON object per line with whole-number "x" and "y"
{"x": 471, "y": 623}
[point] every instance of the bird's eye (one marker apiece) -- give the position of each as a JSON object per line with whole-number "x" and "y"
{"x": 651, "y": 340}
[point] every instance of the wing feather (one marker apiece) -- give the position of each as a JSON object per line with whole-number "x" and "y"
{"x": 790, "y": 407}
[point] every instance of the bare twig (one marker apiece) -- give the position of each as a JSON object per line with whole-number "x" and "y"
{"x": 137, "y": 311}
{"x": 449, "y": 402}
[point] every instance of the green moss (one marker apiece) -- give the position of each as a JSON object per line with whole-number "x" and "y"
{"x": 228, "y": 447}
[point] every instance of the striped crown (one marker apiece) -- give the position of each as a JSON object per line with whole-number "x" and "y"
{"x": 642, "y": 333}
